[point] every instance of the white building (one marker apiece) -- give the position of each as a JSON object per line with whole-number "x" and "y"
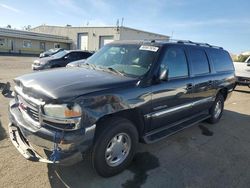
{"x": 93, "y": 38}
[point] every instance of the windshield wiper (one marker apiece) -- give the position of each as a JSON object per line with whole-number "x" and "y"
{"x": 90, "y": 65}
{"x": 115, "y": 71}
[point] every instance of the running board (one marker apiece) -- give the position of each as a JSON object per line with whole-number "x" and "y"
{"x": 164, "y": 132}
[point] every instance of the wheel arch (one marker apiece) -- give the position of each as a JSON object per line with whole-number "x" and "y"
{"x": 133, "y": 115}
{"x": 223, "y": 92}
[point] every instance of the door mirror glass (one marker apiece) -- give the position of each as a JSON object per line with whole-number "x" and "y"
{"x": 164, "y": 74}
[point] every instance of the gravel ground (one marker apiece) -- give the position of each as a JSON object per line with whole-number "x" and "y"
{"x": 201, "y": 156}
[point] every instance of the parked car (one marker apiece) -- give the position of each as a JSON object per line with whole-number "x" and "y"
{"x": 60, "y": 59}
{"x": 128, "y": 92}
{"x": 77, "y": 63}
{"x": 242, "y": 72}
{"x": 50, "y": 52}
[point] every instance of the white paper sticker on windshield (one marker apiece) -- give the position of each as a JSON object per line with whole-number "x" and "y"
{"x": 149, "y": 48}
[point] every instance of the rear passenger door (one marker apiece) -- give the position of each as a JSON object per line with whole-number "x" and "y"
{"x": 203, "y": 80}
{"x": 172, "y": 99}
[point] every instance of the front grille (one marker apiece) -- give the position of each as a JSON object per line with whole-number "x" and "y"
{"x": 33, "y": 114}
{"x": 30, "y": 108}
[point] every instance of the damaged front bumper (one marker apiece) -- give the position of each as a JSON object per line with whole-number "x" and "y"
{"x": 38, "y": 144}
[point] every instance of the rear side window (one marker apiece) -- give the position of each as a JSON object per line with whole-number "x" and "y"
{"x": 199, "y": 61}
{"x": 175, "y": 60}
{"x": 85, "y": 55}
{"x": 221, "y": 60}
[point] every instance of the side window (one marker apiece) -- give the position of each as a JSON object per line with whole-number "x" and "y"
{"x": 199, "y": 61}
{"x": 176, "y": 62}
{"x": 73, "y": 56}
{"x": 84, "y": 55}
{"x": 221, "y": 60}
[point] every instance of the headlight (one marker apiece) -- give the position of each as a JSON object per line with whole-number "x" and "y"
{"x": 62, "y": 110}
{"x": 37, "y": 61}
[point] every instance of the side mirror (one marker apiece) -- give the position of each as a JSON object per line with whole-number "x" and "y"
{"x": 164, "y": 75}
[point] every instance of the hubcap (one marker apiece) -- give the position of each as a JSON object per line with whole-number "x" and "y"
{"x": 218, "y": 109}
{"x": 118, "y": 149}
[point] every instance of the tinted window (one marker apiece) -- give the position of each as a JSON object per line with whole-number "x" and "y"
{"x": 74, "y": 55}
{"x": 176, "y": 62}
{"x": 85, "y": 55}
{"x": 199, "y": 61}
{"x": 221, "y": 60}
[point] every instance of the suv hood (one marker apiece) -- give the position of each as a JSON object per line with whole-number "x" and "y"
{"x": 69, "y": 82}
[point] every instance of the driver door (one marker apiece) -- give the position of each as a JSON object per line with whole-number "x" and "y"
{"x": 172, "y": 99}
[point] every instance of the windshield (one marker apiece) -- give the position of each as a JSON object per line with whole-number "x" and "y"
{"x": 130, "y": 60}
{"x": 60, "y": 54}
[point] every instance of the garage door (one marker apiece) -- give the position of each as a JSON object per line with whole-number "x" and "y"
{"x": 83, "y": 40}
{"x": 105, "y": 40}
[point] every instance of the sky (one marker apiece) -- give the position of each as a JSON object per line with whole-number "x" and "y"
{"x": 224, "y": 23}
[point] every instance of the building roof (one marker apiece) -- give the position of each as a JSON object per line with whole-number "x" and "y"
{"x": 32, "y": 35}
{"x": 100, "y": 27}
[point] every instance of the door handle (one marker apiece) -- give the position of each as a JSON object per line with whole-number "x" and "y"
{"x": 189, "y": 86}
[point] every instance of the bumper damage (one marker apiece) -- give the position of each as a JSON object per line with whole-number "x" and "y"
{"x": 38, "y": 144}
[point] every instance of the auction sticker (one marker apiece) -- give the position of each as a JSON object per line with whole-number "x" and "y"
{"x": 149, "y": 48}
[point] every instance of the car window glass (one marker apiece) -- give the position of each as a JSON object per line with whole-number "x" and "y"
{"x": 131, "y": 60}
{"x": 221, "y": 60}
{"x": 73, "y": 56}
{"x": 84, "y": 55}
{"x": 175, "y": 61}
{"x": 199, "y": 61}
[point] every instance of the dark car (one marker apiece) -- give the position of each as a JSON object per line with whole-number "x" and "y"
{"x": 128, "y": 92}
{"x": 60, "y": 59}
{"x": 50, "y": 52}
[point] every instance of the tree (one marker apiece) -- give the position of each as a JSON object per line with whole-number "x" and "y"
{"x": 242, "y": 58}
{"x": 8, "y": 26}
{"x": 27, "y": 27}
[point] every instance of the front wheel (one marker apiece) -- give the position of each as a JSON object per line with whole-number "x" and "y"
{"x": 114, "y": 146}
{"x": 217, "y": 109}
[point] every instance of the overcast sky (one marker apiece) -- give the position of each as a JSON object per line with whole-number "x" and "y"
{"x": 222, "y": 22}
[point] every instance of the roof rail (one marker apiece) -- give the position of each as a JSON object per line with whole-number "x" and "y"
{"x": 182, "y": 42}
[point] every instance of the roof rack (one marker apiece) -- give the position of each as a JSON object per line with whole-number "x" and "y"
{"x": 184, "y": 42}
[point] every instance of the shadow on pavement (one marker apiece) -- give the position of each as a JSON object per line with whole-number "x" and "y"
{"x": 82, "y": 174}
{"x": 242, "y": 91}
{"x": 2, "y": 132}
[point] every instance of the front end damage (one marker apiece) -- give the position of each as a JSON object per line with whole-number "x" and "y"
{"x": 38, "y": 139}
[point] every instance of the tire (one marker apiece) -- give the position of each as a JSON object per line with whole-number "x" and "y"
{"x": 216, "y": 110}
{"x": 111, "y": 139}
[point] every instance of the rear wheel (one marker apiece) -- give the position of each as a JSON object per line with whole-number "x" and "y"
{"x": 114, "y": 147}
{"x": 217, "y": 109}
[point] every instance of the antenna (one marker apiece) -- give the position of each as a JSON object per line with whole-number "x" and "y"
{"x": 122, "y": 22}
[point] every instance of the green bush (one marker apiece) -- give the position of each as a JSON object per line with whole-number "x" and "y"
{"x": 242, "y": 58}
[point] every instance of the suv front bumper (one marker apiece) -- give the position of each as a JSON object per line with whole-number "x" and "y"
{"x": 37, "y": 144}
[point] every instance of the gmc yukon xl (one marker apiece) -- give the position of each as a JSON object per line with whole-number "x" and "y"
{"x": 127, "y": 92}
